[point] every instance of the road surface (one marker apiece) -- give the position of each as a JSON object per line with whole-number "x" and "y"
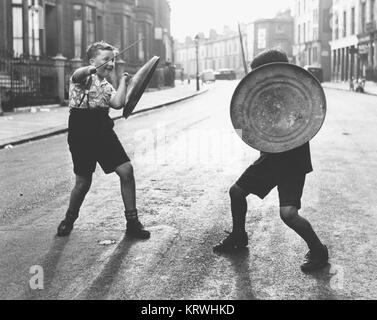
{"x": 186, "y": 156}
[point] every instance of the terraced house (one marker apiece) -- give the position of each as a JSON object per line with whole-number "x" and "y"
{"x": 42, "y": 41}
{"x": 312, "y": 25}
{"x": 354, "y": 41}
{"x": 217, "y": 51}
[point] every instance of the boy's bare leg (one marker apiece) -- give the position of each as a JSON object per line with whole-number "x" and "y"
{"x": 238, "y": 238}
{"x": 127, "y": 185}
{"x": 239, "y": 208}
{"x": 78, "y": 194}
{"x": 318, "y": 255}
{"x": 301, "y": 226}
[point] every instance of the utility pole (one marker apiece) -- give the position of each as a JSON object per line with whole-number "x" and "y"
{"x": 1, "y": 109}
{"x": 197, "y": 62}
{"x": 243, "y": 51}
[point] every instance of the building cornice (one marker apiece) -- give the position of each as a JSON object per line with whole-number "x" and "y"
{"x": 344, "y": 42}
{"x": 276, "y": 20}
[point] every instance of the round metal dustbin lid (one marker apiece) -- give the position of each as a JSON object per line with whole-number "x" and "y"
{"x": 139, "y": 83}
{"x": 278, "y": 107}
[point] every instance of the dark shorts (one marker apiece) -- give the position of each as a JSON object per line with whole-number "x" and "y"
{"x": 257, "y": 180}
{"x": 91, "y": 139}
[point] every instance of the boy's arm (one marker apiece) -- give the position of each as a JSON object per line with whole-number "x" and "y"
{"x": 119, "y": 99}
{"x": 82, "y": 73}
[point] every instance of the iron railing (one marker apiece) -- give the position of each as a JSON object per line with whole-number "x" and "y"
{"x": 27, "y": 81}
{"x": 30, "y": 81}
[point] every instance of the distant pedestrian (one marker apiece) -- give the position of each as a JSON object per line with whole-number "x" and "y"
{"x": 352, "y": 84}
{"x": 287, "y": 171}
{"x": 182, "y": 75}
{"x": 360, "y": 85}
{"x": 91, "y": 137}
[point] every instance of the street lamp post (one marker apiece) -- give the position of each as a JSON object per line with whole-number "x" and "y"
{"x": 197, "y": 62}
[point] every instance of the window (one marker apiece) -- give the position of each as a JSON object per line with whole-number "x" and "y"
{"x": 304, "y": 31}
{"x": 299, "y": 7}
{"x": 148, "y": 44}
{"x": 298, "y": 33}
{"x": 336, "y": 27}
{"x": 344, "y": 23}
{"x": 99, "y": 27}
{"x": 90, "y": 25}
{"x": 77, "y": 30}
{"x": 363, "y": 16}
{"x": 372, "y": 3}
{"x": 315, "y": 33}
{"x": 309, "y": 31}
{"x": 315, "y": 15}
{"x": 352, "y": 20}
{"x": 117, "y": 30}
{"x": 17, "y": 27}
{"x": 127, "y": 30}
{"x": 34, "y": 11}
{"x": 309, "y": 56}
{"x": 315, "y": 55}
{"x": 279, "y": 29}
{"x": 262, "y": 38}
{"x": 140, "y": 35}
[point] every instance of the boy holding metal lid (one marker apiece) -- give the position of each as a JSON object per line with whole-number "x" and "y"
{"x": 91, "y": 137}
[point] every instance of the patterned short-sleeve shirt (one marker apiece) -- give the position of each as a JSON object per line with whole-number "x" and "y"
{"x": 99, "y": 93}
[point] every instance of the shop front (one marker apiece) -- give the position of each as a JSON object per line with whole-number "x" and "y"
{"x": 367, "y": 54}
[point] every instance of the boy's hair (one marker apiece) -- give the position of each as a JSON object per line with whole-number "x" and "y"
{"x": 269, "y": 56}
{"x": 93, "y": 49}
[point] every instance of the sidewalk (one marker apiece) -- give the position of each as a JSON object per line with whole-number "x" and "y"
{"x": 370, "y": 86}
{"x": 41, "y": 122}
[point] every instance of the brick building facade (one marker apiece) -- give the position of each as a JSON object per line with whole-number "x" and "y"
{"x": 313, "y": 32}
{"x": 367, "y": 40}
{"x": 217, "y": 51}
{"x": 278, "y": 32}
{"x": 59, "y": 31}
{"x": 53, "y": 27}
{"x": 354, "y": 40}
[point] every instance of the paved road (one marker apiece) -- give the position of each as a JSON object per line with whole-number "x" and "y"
{"x": 185, "y": 157}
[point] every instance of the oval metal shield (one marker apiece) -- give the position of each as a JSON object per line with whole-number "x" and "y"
{"x": 278, "y": 107}
{"x": 138, "y": 85}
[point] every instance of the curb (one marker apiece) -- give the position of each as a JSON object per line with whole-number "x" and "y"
{"x": 47, "y": 133}
{"x": 36, "y": 109}
{"x": 340, "y": 89}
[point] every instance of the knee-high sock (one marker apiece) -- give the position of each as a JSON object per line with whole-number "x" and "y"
{"x": 305, "y": 230}
{"x": 239, "y": 209}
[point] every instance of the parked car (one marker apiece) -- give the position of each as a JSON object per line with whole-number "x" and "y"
{"x": 315, "y": 71}
{"x": 226, "y": 74}
{"x": 208, "y": 75}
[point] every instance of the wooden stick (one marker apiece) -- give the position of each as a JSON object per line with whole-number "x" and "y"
{"x": 121, "y": 52}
